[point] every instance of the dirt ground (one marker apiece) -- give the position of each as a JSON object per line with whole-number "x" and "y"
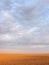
{"x": 24, "y": 59}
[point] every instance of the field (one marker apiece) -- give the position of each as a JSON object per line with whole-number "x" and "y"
{"x": 24, "y": 59}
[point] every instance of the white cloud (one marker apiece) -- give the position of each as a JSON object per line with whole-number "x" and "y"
{"x": 38, "y": 46}
{"x": 32, "y": 29}
{"x": 5, "y": 37}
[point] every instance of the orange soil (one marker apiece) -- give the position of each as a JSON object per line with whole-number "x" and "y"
{"x": 18, "y": 56}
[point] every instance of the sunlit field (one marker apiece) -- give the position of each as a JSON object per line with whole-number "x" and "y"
{"x": 24, "y": 59}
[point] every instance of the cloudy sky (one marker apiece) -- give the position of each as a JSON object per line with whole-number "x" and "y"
{"x": 24, "y": 26}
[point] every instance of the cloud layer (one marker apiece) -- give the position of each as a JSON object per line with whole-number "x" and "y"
{"x": 24, "y": 24}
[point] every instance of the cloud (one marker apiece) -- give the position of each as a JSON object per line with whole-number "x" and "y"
{"x": 9, "y": 24}
{"x": 24, "y": 25}
{"x": 10, "y": 29}
{"x": 26, "y": 49}
{"x": 26, "y": 36}
{"x": 5, "y": 37}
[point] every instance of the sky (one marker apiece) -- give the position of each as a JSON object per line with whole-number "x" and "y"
{"x": 24, "y": 26}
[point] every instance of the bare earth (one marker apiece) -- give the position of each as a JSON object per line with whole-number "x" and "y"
{"x": 24, "y": 59}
